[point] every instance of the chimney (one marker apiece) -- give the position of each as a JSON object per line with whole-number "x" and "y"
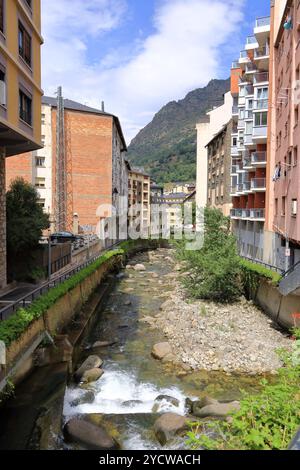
{"x": 102, "y": 106}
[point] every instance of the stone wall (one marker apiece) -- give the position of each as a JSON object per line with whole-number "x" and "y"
{"x": 2, "y": 222}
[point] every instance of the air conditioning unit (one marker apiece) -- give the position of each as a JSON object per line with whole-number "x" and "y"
{"x": 2, "y": 93}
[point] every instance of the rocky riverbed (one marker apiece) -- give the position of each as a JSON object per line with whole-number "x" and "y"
{"x": 209, "y": 336}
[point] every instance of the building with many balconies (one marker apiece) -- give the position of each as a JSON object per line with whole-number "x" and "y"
{"x": 249, "y": 140}
{"x": 20, "y": 92}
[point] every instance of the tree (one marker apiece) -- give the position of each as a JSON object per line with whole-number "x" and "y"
{"x": 25, "y": 221}
{"x": 215, "y": 269}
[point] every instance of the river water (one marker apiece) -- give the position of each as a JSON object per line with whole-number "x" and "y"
{"x": 131, "y": 374}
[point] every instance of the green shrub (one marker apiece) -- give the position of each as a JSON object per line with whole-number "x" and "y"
{"x": 215, "y": 270}
{"x": 12, "y": 328}
{"x": 266, "y": 421}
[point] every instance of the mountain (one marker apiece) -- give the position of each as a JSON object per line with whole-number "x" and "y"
{"x": 166, "y": 147}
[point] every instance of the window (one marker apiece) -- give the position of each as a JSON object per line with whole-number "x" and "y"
{"x": 25, "y": 108}
{"x": 276, "y": 206}
{"x": 294, "y": 207}
{"x": 43, "y": 139}
{"x": 24, "y": 44}
{"x": 261, "y": 119}
{"x": 283, "y": 206}
{"x": 2, "y": 88}
{"x": 40, "y": 182}
{"x": 2, "y": 16}
{"x": 295, "y": 156}
{"x": 296, "y": 116}
{"x": 41, "y": 203}
{"x": 40, "y": 162}
{"x": 28, "y": 3}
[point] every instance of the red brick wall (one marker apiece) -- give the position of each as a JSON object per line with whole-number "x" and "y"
{"x": 89, "y": 147}
{"x": 18, "y": 166}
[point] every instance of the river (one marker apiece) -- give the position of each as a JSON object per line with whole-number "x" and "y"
{"x": 124, "y": 398}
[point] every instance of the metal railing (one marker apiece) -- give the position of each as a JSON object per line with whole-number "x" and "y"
{"x": 248, "y": 213}
{"x": 235, "y": 110}
{"x": 266, "y": 265}
{"x": 24, "y": 302}
{"x": 251, "y": 40}
{"x": 235, "y": 65}
{"x": 244, "y": 55}
{"x": 250, "y": 67}
{"x": 291, "y": 269}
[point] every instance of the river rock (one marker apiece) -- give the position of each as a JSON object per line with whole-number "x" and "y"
{"x": 87, "y": 397}
{"x": 169, "y": 358}
{"x": 88, "y": 435}
{"x": 127, "y": 303}
{"x": 92, "y": 362}
{"x": 216, "y": 410}
{"x": 139, "y": 267}
{"x": 155, "y": 275}
{"x": 160, "y": 350}
{"x": 172, "y": 400}
{"x": 132, "y": 403}
{"x": 168, "y": 426}
{"x": 92, "y": 375}
{"x": 205, "y": 401}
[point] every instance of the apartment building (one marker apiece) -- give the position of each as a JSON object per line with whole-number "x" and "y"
{"x": 139, "y": 210}
{"x": 96, "y": 174}
{"x": 219, "y": 170}
{"x": 283, "y": 224}
{"x": 214, "y": 121}
{"x": 250, "y": 92}
{"x": 20, "y": 92}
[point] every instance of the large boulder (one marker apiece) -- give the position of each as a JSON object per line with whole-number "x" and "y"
{"x": 199, "y": 404}
{"x": 92, "y": 375}
{"x": 88, "y": 435}
{"x": 160, "y": 350}
{"x": 92, "y": 362}
{"x": 87, "y": 397}
{"x": 104, "y": 344}
{"x": 168, "y": 426}
{"x": 216, "y": 410}
{"x": 172, "y": 400}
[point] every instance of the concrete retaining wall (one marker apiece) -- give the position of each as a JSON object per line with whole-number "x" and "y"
{"x": 279, "y": 307}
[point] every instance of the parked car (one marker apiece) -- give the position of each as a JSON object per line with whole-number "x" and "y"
{"x": 63, "y": 237}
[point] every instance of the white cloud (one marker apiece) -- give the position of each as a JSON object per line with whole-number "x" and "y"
{"x": 183, "y": 53}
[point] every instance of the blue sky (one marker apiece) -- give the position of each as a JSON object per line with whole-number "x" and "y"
{"x": 136, "y": 55}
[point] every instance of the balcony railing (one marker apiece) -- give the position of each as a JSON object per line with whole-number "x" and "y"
{"x": 259, "y": 157}
{"x": 248, "y": 213}
{"x": 249, "y": 90}
{"x": 258, "y": 183}
{"x": 261, "y": 104}
{"x": 261, "y": 77}
{"x": 248, "y": 114}
{"x": 248, "y": 139}
{"x": 263, "y": 21}
{"x": 235, "y": 65}
{"x": 234, "y": 150}
{"x": 251, "y": 40}
{"x": 262, "y": 52}
{"x": 260, "y": 132}
{"x": 235, "y": 110}
{"x": 244, "y": 55}
{"x": 250, "y": 67}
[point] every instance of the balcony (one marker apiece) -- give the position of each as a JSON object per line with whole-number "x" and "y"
{"x": 235, "y": 111}
{"x": 247, "y": 163}
{"x": 251, "y": 43}
{"x": 263, "y": 21}
{"x": 258, "y": 184}
{"x": 260, "y": 134}
{"x": 248, "y": 139}
{"x": 259, "y": 159}
{"x": 261, "y": 77}
{"x": 249, "y": 90}
{"x": 250, "y": 214}
{"x": 262, "y": 28}
{"x": 244, "y": 58}
{"x": 262, "y": 52}
{"x": 250, "y": 68}
{"x": 235, "y": 65}
{"x": 261, "y": 104}
{"x": 234, "y": 151}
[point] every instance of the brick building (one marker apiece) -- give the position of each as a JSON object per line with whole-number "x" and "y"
{"x": 219, "y": 170}
{"x": 97, "y": 174}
